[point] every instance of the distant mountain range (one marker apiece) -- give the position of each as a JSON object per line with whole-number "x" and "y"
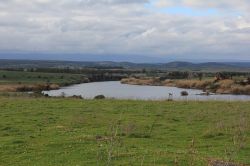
{"x": 177, "y": 65}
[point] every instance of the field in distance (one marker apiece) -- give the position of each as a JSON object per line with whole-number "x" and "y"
{"x": 61, "y": 131}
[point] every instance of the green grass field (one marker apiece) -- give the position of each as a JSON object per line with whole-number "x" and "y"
{"x": 17, "y": 77}
{"x": 117, "y": 132}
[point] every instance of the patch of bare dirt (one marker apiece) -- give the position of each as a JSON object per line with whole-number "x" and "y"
{"x": 222, "y": 163}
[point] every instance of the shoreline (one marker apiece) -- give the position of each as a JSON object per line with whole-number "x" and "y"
{"x": 221, "y": 87}
{"x": 31, "y": 96}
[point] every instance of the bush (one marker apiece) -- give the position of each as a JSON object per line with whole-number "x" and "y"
{"x": 184, "y": 93}
{"x": 77, "y": 97}
{"x": 213, "y": 87}
{"x": 46, "y": 95}
{"x": 99, "y": 97}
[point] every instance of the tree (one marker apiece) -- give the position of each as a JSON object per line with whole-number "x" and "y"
{"x": 200, "y": 75}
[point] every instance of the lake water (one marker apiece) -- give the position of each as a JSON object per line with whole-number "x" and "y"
{"x": 114, "y": 89}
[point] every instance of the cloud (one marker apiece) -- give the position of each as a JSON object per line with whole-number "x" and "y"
{"x": 242, "y": 5}
{"x": 125, "y": 27}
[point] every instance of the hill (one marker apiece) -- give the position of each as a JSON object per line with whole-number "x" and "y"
{"x": 177, "y": 65}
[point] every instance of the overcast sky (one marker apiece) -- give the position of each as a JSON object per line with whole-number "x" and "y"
{"x": 188, "y": 29}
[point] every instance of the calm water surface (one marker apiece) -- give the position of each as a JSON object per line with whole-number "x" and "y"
{"x": 114, "y": 89}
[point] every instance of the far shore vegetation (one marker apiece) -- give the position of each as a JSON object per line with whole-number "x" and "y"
{"x": 218, "y": 84}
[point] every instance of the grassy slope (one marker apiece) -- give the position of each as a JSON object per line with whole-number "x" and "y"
{"x": 15, "y": 77}
{"x": 77, "y": 132}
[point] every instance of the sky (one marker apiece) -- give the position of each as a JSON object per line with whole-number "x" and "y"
{"x": 157, "y": 29}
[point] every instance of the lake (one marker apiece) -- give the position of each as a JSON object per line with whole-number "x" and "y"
{"x": 114, "y": 89}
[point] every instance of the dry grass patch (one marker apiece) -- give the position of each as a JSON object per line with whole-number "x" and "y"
{"x": 238, "y": 89}
{"x": 226, "y": 86}
{"x": 141, "y": 81}
{"x": 191, "y": 84}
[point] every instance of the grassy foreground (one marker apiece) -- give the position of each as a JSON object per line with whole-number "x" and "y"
{"x": 111, "y": 132}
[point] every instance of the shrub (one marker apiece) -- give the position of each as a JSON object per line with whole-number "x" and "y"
{"x": 53, "y": 86}
{"x": 77, "y": 97}
{"x": 213, "y": 87}
{"x": 184, "y": 93}
{"x": 24, "y": 88}
{"x": 99, "y": 97}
